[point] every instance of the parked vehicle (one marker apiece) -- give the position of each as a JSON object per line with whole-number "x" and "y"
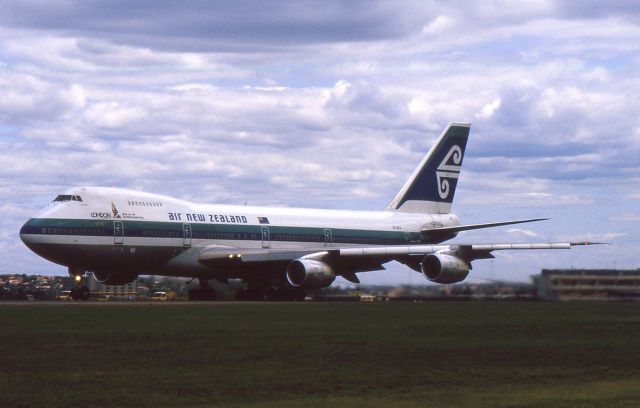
{"x": 164, "y": 296}
{"x": 64, "y": 295}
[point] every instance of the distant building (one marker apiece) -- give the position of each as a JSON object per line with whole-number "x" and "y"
{"x": 588, "y": 284}
{"x": 112, "y": 292}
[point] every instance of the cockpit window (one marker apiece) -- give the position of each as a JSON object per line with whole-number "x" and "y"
{"x": 65, "y": 197}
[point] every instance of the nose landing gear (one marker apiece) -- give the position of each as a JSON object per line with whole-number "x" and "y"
{"x": 79, "y": 290}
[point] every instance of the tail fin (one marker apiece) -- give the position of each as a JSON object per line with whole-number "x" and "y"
{"x": 431, "y": 187}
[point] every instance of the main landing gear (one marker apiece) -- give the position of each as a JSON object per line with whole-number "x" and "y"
{"x": 204, "y": 292}
{"x": 79, "y": 290}
{"x": 259, "y": 293}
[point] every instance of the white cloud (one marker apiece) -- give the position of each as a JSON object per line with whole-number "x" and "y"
{"x": 287, "y": 114}
{"x": 192, "y": 87}
{"x": 525, "y": 232}
{"x": 605, "y": 237}
{"x": 14, "y": 211}
{"x": 112, "y": 115}
{"x": 26, "y": 98}
{"x": 625, "y": 217}
{"x": 438, "y": 25}
{"x": 489, "y": 109}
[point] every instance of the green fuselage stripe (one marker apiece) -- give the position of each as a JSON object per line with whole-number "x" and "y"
{"x": 159, "y": 229}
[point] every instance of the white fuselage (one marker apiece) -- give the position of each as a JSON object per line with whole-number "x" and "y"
{"x": 109, "y": 227}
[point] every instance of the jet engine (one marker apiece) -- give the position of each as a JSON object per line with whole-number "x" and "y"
{"x": 310, "y": 274}
{"x": 441, "y": 268}
{"x": 114, "y": 278}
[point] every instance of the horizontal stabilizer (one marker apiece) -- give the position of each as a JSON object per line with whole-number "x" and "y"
{"x": 451, "y": 231}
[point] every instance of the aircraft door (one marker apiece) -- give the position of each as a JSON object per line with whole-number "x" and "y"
{"x": 118, "y": 233}
{"x": 328, "y": 238}
{"x": 266, "y": 239}
{"x": 186, "y": 229}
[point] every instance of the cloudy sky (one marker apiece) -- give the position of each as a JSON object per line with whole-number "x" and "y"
{"x": 331, "y": 104}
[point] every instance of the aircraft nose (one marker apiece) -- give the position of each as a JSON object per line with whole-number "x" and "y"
{"x": 33, "y": 234}
{"x": 24, "y": 232}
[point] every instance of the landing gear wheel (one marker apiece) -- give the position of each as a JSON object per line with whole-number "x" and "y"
{"x": 204, "y": 292}
{"x": 295, "y": 295}
{"x": 273, "y": 294}
{"x": 299, "y": 295}
{"x": 208, "y": 293}
{"x": 194, "y": 294}
{"x": 241, "y": 294}
{"x": 80, "y": 293}
{"x": 255, "y": 294}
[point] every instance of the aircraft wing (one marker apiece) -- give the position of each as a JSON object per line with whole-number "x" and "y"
{"x": 467, "y": 252}
{"x": 346, "y": 266}
{"x": 215, "y": 254}
{"x": 348, "y": 261}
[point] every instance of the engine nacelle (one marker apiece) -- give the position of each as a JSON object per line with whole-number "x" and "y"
{"x": 310, "y": 274}
{"x": 115, "y": 278}
{"x": 441, "y": 268}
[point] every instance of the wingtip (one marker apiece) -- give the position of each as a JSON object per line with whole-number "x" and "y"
{"x": 586, "y": 243}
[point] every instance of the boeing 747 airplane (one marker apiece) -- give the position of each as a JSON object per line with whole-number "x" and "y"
{"x": 118, "y": 234}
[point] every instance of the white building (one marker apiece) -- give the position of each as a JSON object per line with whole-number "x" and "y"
{"x": 589, "y": 284}
{"x": 112, "y": 292}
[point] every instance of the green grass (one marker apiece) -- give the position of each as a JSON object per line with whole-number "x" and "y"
{"x": 315, "y": 354}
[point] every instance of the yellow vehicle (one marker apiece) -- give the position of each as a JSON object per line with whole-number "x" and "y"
{"x": 163, "y": 296}
{"x": 64, "y": 295}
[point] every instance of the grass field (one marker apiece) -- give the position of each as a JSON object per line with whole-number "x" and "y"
{"x": 316, "y": 354}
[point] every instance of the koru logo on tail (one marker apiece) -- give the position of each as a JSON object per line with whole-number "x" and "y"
{"x": 448, "y": 169}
